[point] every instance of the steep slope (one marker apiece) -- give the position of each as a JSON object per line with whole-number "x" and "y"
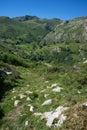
{"x": 74, "y": 30}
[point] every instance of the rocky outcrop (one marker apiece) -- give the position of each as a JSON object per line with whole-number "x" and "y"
{"x": 69, "y": 31}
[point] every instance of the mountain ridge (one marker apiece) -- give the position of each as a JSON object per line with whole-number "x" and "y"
{"x": 54, "y": 30}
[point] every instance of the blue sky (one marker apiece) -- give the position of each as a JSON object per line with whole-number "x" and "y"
{"x": 63, "y": 9}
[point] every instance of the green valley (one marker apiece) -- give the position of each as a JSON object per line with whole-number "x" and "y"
{"x": 43, "y": 73}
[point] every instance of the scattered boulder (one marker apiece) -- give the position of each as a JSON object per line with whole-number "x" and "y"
{"x": 85, "y": 104}
{"x": 22, "y": 96}
{"x": 57, "y": 114}
{"x": 46, "y": 81}
{"x": 85, "y": 62}
{"x": 78, "y": 92}
{"x": 31, "y": 107}
{"x": 62, "y": 118}
{"x": 57, "y": 89}
{"x": 38, "y": 114}
{"x": 8, "y": 73}
{"x": 46, "y": 95}
{"x": 42, "y": 90}
{"x": 28, "y": 99}
{"x": 29, "y": 92}
{"x": 16, "y": 103}
{"x": 54, "y": 115}
{"x": 26, "y": 123}
{"x": 54, "y": 85}
{"x": 47, "y": 102}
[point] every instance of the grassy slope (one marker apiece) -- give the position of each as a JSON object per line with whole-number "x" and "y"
{"x": 72, "y": 78}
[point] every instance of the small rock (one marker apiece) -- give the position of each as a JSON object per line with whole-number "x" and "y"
{"x": 29, "y": 92}
{"x": 26, "y": 123}
{"x": 85, "y": 104}
{"x": 47, "y": 102}
{"x": 85, "y": 62}
{"x": 79, "y": 92}
{"x": 16, "y": 103}
{"x": 27, "y": 85}
{"x": 46, "y": 81}
{"x": 54, "y": 85}
{"x": 57, "y": 89}
{"x": 22, "y": 96}
{"x": 8, "y": 73}
{"x": 42, "y": 90}
{"x": 13, "y": 98}
{"x": 28, "y": 99}
{"x": 31, "y": 107}
{"x": 46, "y": 95}
{"x": 37, "y": 114}
{"x": 13, "y": 91}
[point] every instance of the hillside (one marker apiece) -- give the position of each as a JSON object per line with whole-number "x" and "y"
{"x": 27, "y": 31}
{"x": 43, "y": 73}
{"x": 74, "y": 30}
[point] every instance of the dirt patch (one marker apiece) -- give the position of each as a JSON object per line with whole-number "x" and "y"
{"x": 14, "y": 114}
{"x": 77, "y": 118}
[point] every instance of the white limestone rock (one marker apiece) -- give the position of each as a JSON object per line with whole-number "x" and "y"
{"x": 57, "y": 89}
{"x": 85, "y": 62}
{"x": 38, "y": 114}
{"x": 31, "y": 107}
{"x": 62, "y": 118}
{"x": 46, "y": 81}
{"x": 54, "y": 85}
{"x": 28, "y": 99}
{"x": 47, "y": 102}
{"x": 46, "y": 95}
{"x": 29, "y": 92}
{"x": 42, "y": 90}
{"x": 8, "y": 72}
{"x": 57, "y": 114}
{"x": 16, "y": 102}
{"x": 85, "y": 104}
{"x": 22, "y": 96}
{"x": 26, "y": 123}
{"x": 52, "y": 115}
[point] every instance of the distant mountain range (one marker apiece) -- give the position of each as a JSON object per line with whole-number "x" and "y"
{"x": 26, "y": 29}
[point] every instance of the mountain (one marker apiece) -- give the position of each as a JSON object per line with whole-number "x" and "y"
{"x": 74, "y": 30}
{"x": 25, "y": 29}
{"x": 43, "y": 73}
{"x": 25, "y": 18}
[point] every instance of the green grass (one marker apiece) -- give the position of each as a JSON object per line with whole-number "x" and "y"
{"x": 33, "y": 79}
